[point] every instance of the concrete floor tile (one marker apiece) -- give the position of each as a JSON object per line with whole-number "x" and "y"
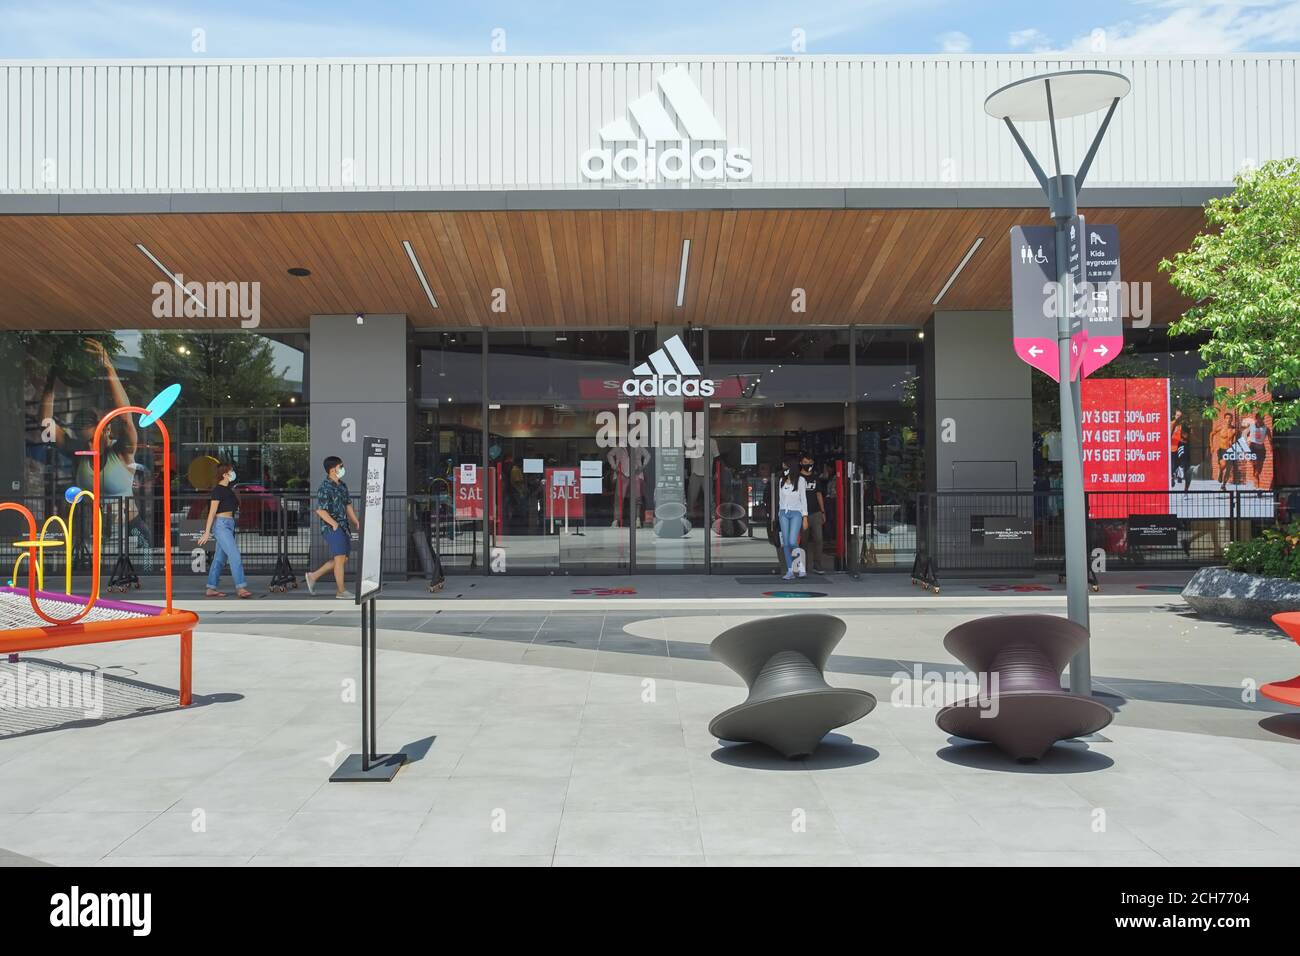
{"x": 640, "y": 832}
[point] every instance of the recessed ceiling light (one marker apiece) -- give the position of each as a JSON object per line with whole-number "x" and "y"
{"x": 299, "y": 271}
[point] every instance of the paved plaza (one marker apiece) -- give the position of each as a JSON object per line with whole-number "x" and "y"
{"x": 575, "y": 732}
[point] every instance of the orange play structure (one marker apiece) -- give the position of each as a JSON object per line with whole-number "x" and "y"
{"x": 1286, "y": 691}
{"x": 44, "y": 619}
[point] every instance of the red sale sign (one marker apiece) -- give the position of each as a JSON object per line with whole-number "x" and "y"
{"x": 1126, "y": 445}
{"x": 469, "y": 494}
{"x": 563, "y": 494}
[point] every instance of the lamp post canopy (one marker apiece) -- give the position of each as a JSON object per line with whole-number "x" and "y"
{"x": 1074, "y": 93}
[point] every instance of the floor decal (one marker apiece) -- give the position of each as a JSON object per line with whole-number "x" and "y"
{"x": 1162, "y": 588}
{"x": 602, "y": 592}
{"x": 794, "y": 594}
{"x": 1015, "y": 587}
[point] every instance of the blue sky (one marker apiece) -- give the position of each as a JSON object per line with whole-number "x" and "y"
{"x": 271, "y": 28}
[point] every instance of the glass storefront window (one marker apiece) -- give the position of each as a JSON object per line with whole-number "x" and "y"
{"x": 560, "y": 501}
{"x": 244, "y": 400}
{"x": 445, "y": 437}
{"x": 448, "y": 367}
{"x": 890, "y": 444}
{"x": 780, "y": 364}
{"x": 555, "y": 365}
{"x": 750, "y": 442}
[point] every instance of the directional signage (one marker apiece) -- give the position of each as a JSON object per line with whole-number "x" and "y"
{"x": 1093, "y": 299}
{"x": 1105, "y": 339}
{"x": 1076, "y": 293}
{"x": 1033, "y": 276}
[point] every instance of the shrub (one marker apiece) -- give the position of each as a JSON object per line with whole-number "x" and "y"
{"x": 1274, "y": 554}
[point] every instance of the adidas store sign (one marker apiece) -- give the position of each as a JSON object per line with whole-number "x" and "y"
{"x": 670, "y": 371}
{"x": 645, "y": 162}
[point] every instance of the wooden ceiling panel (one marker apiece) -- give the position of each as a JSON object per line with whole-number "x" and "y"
{"x": 563, "y": 269}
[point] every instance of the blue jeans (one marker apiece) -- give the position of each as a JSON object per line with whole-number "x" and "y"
{"x": 791, "y": 524}
{"x": 223, "y": 530}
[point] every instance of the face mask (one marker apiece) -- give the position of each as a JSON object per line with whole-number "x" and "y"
{"x": 230, "y": 477}
{"x": 342, "y": 471}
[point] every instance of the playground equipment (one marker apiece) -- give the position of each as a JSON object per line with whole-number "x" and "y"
{"x": 1285, "y": 691}
{"x": 790, "y": 707}
{"x": 45, "y": 620}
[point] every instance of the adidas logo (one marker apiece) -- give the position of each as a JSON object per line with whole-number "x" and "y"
{"x": 669, "y": 371}
{"x": 643, "y": 162}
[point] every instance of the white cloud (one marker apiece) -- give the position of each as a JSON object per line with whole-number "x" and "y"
{"x": 1199, "y": 26}
{"x": 954, "y": 41}
{"x": 1030, "y": 39}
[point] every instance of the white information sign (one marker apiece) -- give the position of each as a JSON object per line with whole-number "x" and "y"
{"x": 370, "y": 579}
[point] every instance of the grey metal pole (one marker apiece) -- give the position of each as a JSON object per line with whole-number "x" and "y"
{"x": 1064, "y": 207}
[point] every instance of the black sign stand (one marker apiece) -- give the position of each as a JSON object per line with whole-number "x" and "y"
{"x": 370, "y": 764}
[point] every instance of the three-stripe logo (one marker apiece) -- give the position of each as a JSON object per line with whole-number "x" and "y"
{"x": 643, "y": 161}
{"x": 670, "y": 370}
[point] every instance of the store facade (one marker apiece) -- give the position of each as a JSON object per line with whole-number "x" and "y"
{"x": 596, "y": 303}
{"x": 574, "y": 468}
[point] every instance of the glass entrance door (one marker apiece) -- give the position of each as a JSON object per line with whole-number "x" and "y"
{"x": 557, "y": 502}
{"x": 752, "y": 441}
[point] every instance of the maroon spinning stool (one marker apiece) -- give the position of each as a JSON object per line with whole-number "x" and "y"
{"x": 1019, "y": 659}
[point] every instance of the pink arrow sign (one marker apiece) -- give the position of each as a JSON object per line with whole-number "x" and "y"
{"x": 1099, "y": 350}
{"x": 1041, "y": 354}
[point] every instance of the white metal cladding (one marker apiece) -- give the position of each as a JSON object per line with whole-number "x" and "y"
{"x": 239, "y": 126}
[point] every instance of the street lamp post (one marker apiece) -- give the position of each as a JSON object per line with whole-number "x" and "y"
{"x": 1053, "y": 96}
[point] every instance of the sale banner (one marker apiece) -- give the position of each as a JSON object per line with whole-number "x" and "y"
{"x": 1126, "y": 446}
{"x": 564, "y": 494}
{"x": 469, "y": 494}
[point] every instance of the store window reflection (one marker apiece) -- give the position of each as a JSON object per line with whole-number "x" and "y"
{"x": 244, "y": 400}
{"x": 781, "y": 364}
{"x": 890, "y": 460}
{"x": 556, "y": 365}
{"x": 448, "y": 498}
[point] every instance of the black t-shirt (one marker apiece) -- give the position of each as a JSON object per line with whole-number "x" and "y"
{"x": 226, "y": 499}
{"x": 814, "y": 505}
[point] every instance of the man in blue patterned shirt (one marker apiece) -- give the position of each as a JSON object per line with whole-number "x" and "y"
{"x": 334, "y": 508}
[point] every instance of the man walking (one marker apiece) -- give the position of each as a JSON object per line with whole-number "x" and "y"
{"x": 334, "y": 508}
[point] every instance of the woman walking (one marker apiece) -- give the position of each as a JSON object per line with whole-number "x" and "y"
{"x": 793, "y": 514}
{"x": 222, "y": 509}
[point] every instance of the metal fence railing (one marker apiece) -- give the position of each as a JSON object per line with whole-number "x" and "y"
{"x": 1025, "y": 530}
{"x": 956, "y": 531}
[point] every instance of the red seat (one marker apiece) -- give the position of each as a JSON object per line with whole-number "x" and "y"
{"x": 1286, "y": 691}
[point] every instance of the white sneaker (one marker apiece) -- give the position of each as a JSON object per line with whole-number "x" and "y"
{"x": 344, "y": 596}
{"x": 310, "y": 582}
{"x": 803, "y": 574}
{"x": 788, "y": 576}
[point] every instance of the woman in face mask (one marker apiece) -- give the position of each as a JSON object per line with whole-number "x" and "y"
{"x": 793, "y": 513}
{"x": 223, "y": 508}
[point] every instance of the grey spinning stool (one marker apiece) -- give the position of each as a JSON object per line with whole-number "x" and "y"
{"x": 1026, "y": 710}
{"x": 790, "y": 706}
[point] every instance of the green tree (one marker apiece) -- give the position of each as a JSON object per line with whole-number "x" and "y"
{"x": 214, "y": 371}
{"x": 1243, "y": 275}
{"x": 288, "y": 456}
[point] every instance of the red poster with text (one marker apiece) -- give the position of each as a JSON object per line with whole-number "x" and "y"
{"x": 469, "y": 496}
{"x": 1126, "y": 446}
{"x": 564, "y": 494}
